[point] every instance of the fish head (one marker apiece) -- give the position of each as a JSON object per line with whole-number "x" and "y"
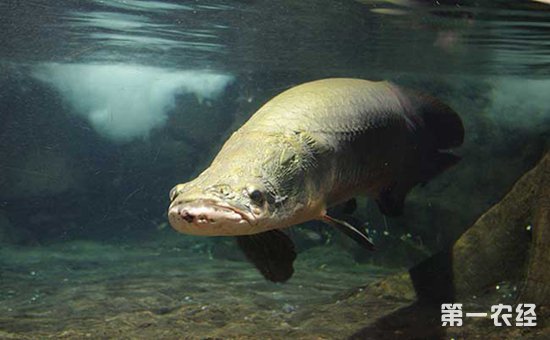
{"x": 235, "y": 207}
{"x": 253, "y": 185}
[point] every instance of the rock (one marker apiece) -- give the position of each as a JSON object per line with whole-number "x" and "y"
{"x": 510, "y": 242}
{"x": 507, "y": 249}
{"x": 397, "y": 286}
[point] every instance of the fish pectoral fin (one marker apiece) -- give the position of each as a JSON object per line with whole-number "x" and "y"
{"x": 272, "y": 252}
{"x": 350, "y": 231}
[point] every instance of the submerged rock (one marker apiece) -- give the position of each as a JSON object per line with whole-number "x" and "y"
{"x": 503, "y": 258}
{"x": 507, "y": 246}
{"x": 510, "y": 242}
{"x": 397, "y": 286}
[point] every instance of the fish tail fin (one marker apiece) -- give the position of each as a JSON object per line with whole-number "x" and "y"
{"x": 444, "y": 130}
{"x": 440, "y": 129}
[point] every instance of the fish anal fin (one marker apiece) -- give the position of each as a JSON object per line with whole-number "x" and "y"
{"x": 272, "y": 253}
{"x": 350, "y": 206}
{"x": 439, "y": 162}
{"x": 391, "y": 202}
{"x": 350, "y": 231}
{"x": 346, "y": 208}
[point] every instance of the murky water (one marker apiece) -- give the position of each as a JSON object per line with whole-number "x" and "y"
{"x": 105, "y": 105}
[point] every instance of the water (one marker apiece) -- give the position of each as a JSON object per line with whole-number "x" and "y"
{"x": 491, "y": 37}
{"x": 106, "y": 105}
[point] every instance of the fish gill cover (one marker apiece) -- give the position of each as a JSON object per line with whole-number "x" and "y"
{"x": 124, "y": 102}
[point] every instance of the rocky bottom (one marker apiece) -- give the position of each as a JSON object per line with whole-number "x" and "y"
{"x": 78, "y": 290}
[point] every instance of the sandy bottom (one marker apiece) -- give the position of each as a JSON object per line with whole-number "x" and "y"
{"x": 81, "y": 290}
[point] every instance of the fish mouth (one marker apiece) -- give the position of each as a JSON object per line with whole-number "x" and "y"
{"x": 208, "y": 217}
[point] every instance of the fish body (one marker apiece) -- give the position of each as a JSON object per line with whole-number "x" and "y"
{"x": 313, "y": 147}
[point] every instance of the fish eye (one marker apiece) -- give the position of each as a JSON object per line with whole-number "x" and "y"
{"x": 256, "y": 196}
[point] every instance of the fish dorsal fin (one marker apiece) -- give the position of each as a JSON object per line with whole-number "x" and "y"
{"x": 272, "y": 252}
{"x": 391, "y": 202}
{"x": 350, "y": 231}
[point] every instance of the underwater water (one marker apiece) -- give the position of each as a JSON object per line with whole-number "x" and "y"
{"x": 106, "y": 105}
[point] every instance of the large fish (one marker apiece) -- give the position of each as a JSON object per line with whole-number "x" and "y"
{"x": 312, "y": 147}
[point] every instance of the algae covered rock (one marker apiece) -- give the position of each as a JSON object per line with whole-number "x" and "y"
{"x": 510, "y": 242}
{"x": 397, "y": 286}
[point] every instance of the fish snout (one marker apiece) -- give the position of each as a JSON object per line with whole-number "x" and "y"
{"x": 180, "y": 216}
{"x": 190, "y": 216}
{"x": 205, "y": 218}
